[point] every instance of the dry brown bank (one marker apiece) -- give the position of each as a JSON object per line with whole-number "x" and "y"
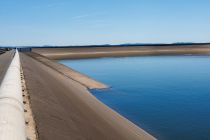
{"x": 94, "y": 52}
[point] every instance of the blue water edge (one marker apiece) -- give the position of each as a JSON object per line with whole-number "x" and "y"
{"x": 168, "y": 96}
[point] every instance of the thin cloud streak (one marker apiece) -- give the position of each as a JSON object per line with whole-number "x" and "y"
{"x": 93, "y": 15}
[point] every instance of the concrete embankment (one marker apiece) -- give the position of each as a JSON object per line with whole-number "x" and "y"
{"x": 64, "y": 109}
{"x": 70, "y": 73}
{"x": 120, "y": 51}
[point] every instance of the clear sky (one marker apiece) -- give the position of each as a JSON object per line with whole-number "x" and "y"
{"x": 83, "y": 22}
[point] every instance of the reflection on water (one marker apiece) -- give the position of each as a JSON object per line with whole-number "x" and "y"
{"x": 168, "y": 96}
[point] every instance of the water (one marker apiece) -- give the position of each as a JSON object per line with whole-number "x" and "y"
{"x": 168, "y": 96}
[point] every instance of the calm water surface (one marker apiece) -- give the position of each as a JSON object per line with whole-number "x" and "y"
{"x": 168, "y": 96}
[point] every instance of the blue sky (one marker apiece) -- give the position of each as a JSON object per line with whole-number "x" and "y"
{"x": 85, "y": 22}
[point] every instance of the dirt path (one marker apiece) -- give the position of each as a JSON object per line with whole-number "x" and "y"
{"x": 5, "y": 60}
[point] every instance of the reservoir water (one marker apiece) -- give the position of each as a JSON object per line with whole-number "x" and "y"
{"x": 168, "y": 96}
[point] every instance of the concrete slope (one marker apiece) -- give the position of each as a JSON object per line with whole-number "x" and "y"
{"x": 74, "y": 75}
{"x": 64, "y": 109}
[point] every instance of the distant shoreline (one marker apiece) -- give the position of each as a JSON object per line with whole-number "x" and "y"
{"x": 109, "y": 45}
{"x": 121, "y": 51}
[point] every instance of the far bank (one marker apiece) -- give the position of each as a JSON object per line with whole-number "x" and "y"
{"x": 84, "y": 52}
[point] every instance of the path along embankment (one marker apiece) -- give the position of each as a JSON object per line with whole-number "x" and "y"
{"x": 5, "y": 60}
{"x": 64, "y": 109}
{"x": 121, "y": 51}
